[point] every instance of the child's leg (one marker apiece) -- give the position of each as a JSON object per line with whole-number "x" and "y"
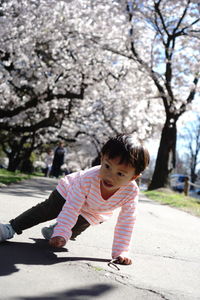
{"x": 42, "y": 212}
{"x": 81, "y": 225}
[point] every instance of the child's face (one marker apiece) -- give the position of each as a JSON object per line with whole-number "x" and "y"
{"x": 113, "y": 175}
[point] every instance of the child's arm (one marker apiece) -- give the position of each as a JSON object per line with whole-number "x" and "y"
{"x": 123, "y": 233}
{"x": 68, "y": 215}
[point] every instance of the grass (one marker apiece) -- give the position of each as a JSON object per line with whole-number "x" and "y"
{"x": 7, "y": 177}
{"x": 98, "y": 269}
{"x": 168, "y": 197}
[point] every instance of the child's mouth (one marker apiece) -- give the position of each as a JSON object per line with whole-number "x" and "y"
{"x": 107, "y": 183}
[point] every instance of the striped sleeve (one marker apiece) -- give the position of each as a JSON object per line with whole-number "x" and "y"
{"x": 70, "y": 211}
{"x": 124, "y": 228}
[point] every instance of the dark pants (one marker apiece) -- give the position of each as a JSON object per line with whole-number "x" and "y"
{"x": 56, "y": 170}
{"x": 45, "y": 211}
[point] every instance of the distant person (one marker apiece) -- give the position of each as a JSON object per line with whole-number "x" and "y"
{"x": 58, "y": 160}
{"x": 89, "y": 197}
{"x": 48, "y": 162}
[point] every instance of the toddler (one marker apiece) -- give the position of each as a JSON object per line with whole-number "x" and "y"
{"x": 89, "y": 197}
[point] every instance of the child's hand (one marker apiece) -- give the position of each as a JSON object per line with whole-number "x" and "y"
{"x": 57, "y": 241}
{"x": 123, "y": 260}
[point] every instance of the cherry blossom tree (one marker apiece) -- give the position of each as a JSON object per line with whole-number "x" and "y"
{"x": 54, "y": 70}
{"x": 47, "y": 61}
{"x": 164, "y": 41}
{"x": 36, "y": 92}
{"x": 115, "y": 111}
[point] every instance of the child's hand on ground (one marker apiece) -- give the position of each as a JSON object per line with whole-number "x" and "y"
{"x": 123, "y": 260}
{"x": 57, "y": 241}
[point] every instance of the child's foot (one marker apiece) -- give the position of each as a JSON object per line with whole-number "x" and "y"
{"x": 48, "y": 231}
{"x": 6, "y": 232}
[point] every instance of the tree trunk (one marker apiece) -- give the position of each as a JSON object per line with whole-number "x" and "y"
{"x": 26, "y": 165}
{"x": 13, "y": 157}
{"x": 165, "y": 156}
{"x": 13, "y": 163}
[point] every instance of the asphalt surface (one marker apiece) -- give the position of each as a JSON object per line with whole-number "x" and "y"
{"x": 165, "y": 249}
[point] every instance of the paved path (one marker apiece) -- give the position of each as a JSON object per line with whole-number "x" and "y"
{"x": 166, "y": 252}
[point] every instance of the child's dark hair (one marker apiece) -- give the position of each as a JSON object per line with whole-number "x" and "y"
{"x": 129, "y": 150}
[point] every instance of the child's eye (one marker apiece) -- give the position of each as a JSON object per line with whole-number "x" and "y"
{"x": 121, "y": 174}
{"x": 107, "y": 166}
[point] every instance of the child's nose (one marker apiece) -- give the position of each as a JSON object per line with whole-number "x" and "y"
{"x": 112, "y": 175}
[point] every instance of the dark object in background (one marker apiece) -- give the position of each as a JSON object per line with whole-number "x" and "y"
{"x": 58, "y": 160}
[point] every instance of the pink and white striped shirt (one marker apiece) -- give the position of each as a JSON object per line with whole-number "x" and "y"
{"x": 83, "y": 197}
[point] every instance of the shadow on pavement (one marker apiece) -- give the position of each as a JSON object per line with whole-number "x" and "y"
{"x": 93, "y": 291}
{"x": 38, "y": 253}
{"x": 31, "y": 188}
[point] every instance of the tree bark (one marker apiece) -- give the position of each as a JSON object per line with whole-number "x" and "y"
{"x": 13, "y": 163}
{"x": 166, "y": 149}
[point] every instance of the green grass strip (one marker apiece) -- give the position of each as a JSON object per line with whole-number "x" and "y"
{"x": 178, "y": 200}
{"x": 7, "y": 177}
